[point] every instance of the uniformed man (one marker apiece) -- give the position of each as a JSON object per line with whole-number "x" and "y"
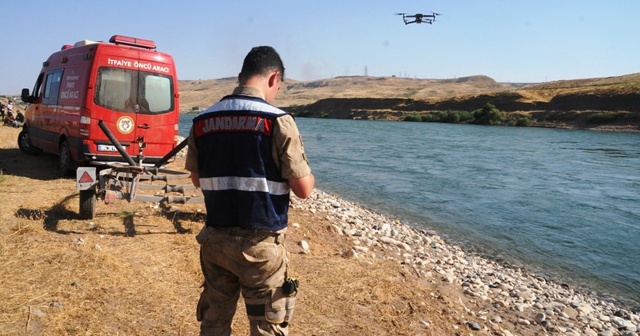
{"x": 247, "y": 155}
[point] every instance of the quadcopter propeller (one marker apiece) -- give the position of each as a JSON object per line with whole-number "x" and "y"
{"x": 401, "y": 13}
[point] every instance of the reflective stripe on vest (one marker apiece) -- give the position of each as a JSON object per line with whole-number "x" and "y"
{"x": 244, "y": 184}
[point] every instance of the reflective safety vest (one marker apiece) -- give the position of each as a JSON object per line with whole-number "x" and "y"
{"x": 240, "y": 181}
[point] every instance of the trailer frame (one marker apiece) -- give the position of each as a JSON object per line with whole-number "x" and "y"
{"x": 111, "y": 181}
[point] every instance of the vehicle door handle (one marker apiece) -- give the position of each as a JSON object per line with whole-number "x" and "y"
{"x": 144, "y": 126}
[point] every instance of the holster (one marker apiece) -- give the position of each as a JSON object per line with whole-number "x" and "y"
{"x": 279, "y": 307}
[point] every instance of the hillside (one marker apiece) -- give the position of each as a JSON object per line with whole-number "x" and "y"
{"x": 597, "y": 103}
{"x": 202, "y": 93}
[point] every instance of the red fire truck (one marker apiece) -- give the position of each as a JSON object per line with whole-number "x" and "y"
{"x": 124, "y": 85}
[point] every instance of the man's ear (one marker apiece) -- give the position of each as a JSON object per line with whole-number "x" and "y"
{"x": 273, "y": 79}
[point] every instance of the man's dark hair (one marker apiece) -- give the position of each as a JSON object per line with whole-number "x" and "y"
{"x": 260, "y": 61}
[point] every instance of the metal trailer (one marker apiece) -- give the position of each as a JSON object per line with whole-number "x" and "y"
{"x": 110, "y": 181}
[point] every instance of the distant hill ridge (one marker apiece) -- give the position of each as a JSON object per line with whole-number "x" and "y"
{"x": 203, "y": 93}
{"x": 618, "y": 93}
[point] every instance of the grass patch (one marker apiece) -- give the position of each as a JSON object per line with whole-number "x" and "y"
{"x": 127, "y": 214}
{"x": 410, "y": 92}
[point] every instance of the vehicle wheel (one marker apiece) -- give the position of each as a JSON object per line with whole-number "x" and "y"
{"x": 24, "y": 142}
{"x": 65, "y": 164}
{"x": 87, "y": 204}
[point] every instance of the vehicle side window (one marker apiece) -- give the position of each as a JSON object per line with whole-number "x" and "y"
{"x": 36, "y": 94}
{"x": 52, "y": 87}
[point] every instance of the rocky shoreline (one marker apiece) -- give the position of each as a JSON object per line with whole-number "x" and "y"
{"x": 503, "y": 294}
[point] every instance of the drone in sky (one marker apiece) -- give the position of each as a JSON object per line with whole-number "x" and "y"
{"x": 419, "y": 18}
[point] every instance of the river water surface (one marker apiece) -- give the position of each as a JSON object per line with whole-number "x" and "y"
{"x": 564, "y": 203}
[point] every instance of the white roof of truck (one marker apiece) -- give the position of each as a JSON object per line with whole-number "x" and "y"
{"x": 84, "y": 42}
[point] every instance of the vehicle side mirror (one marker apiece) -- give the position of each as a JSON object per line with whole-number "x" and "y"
{"x": 25, "y": 96}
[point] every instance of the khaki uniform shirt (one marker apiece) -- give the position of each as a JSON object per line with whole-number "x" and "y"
{"x": 288, "y": 149}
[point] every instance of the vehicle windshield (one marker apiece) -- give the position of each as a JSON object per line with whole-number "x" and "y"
{"x": 133, "y": 91}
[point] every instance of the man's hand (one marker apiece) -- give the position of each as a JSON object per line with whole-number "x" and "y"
{"x": 195, "y": 179}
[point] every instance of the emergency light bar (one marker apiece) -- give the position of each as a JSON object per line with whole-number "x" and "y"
{"x": 132, "y": 41}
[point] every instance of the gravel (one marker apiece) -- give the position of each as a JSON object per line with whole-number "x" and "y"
{"x": 539, "y": 302}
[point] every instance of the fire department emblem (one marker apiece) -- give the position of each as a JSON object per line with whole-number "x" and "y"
{"x": 125, "y": 125}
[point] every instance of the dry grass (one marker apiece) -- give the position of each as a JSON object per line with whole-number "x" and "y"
{"x": 60, "y": 275}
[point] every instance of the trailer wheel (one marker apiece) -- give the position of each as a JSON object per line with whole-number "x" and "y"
{"x": 24, "y": 143}
{"x": 87, "y": 204}
{"x": 65, "y": 164}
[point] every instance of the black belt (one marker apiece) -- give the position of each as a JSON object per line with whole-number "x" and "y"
{"x": 254, "y": 235}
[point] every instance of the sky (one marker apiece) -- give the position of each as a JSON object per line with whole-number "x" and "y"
{"x": 521, "y": 41}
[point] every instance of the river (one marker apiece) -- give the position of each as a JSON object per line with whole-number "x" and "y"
{"x": 562, "y": 203}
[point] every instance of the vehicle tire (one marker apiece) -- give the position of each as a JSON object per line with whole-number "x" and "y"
{"x": 87, "y": 204}
{"x": 66, "y": 166}
{"x": 24, "y": 143}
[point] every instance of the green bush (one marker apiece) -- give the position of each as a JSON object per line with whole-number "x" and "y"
{"x": 454, "y": 117}
{"x": 465, "y": 116}
{"x": 429, "y": 117}
{"x": 412, "y": 117}
{"x": 448, "y": 116}
{"x": 523, "y": 121}
{"x": 488, "y": 115}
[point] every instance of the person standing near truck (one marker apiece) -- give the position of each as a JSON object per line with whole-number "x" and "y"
{"x": 10, "y": 119}
{"x": 247, "y": 155}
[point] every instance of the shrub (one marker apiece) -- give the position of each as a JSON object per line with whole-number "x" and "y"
{"x": 488, "y": 115}
{"x": 523, "y": 121}
{"x": 465, "y": 116}
{"x": 429, "y": 117}
{"x": 448, "y": 116}
{"x": 454, "y": 117}
{"x": 412, "y": 117}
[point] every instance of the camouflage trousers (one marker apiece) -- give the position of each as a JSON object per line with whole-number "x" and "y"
{"x": 251, "y": 263}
